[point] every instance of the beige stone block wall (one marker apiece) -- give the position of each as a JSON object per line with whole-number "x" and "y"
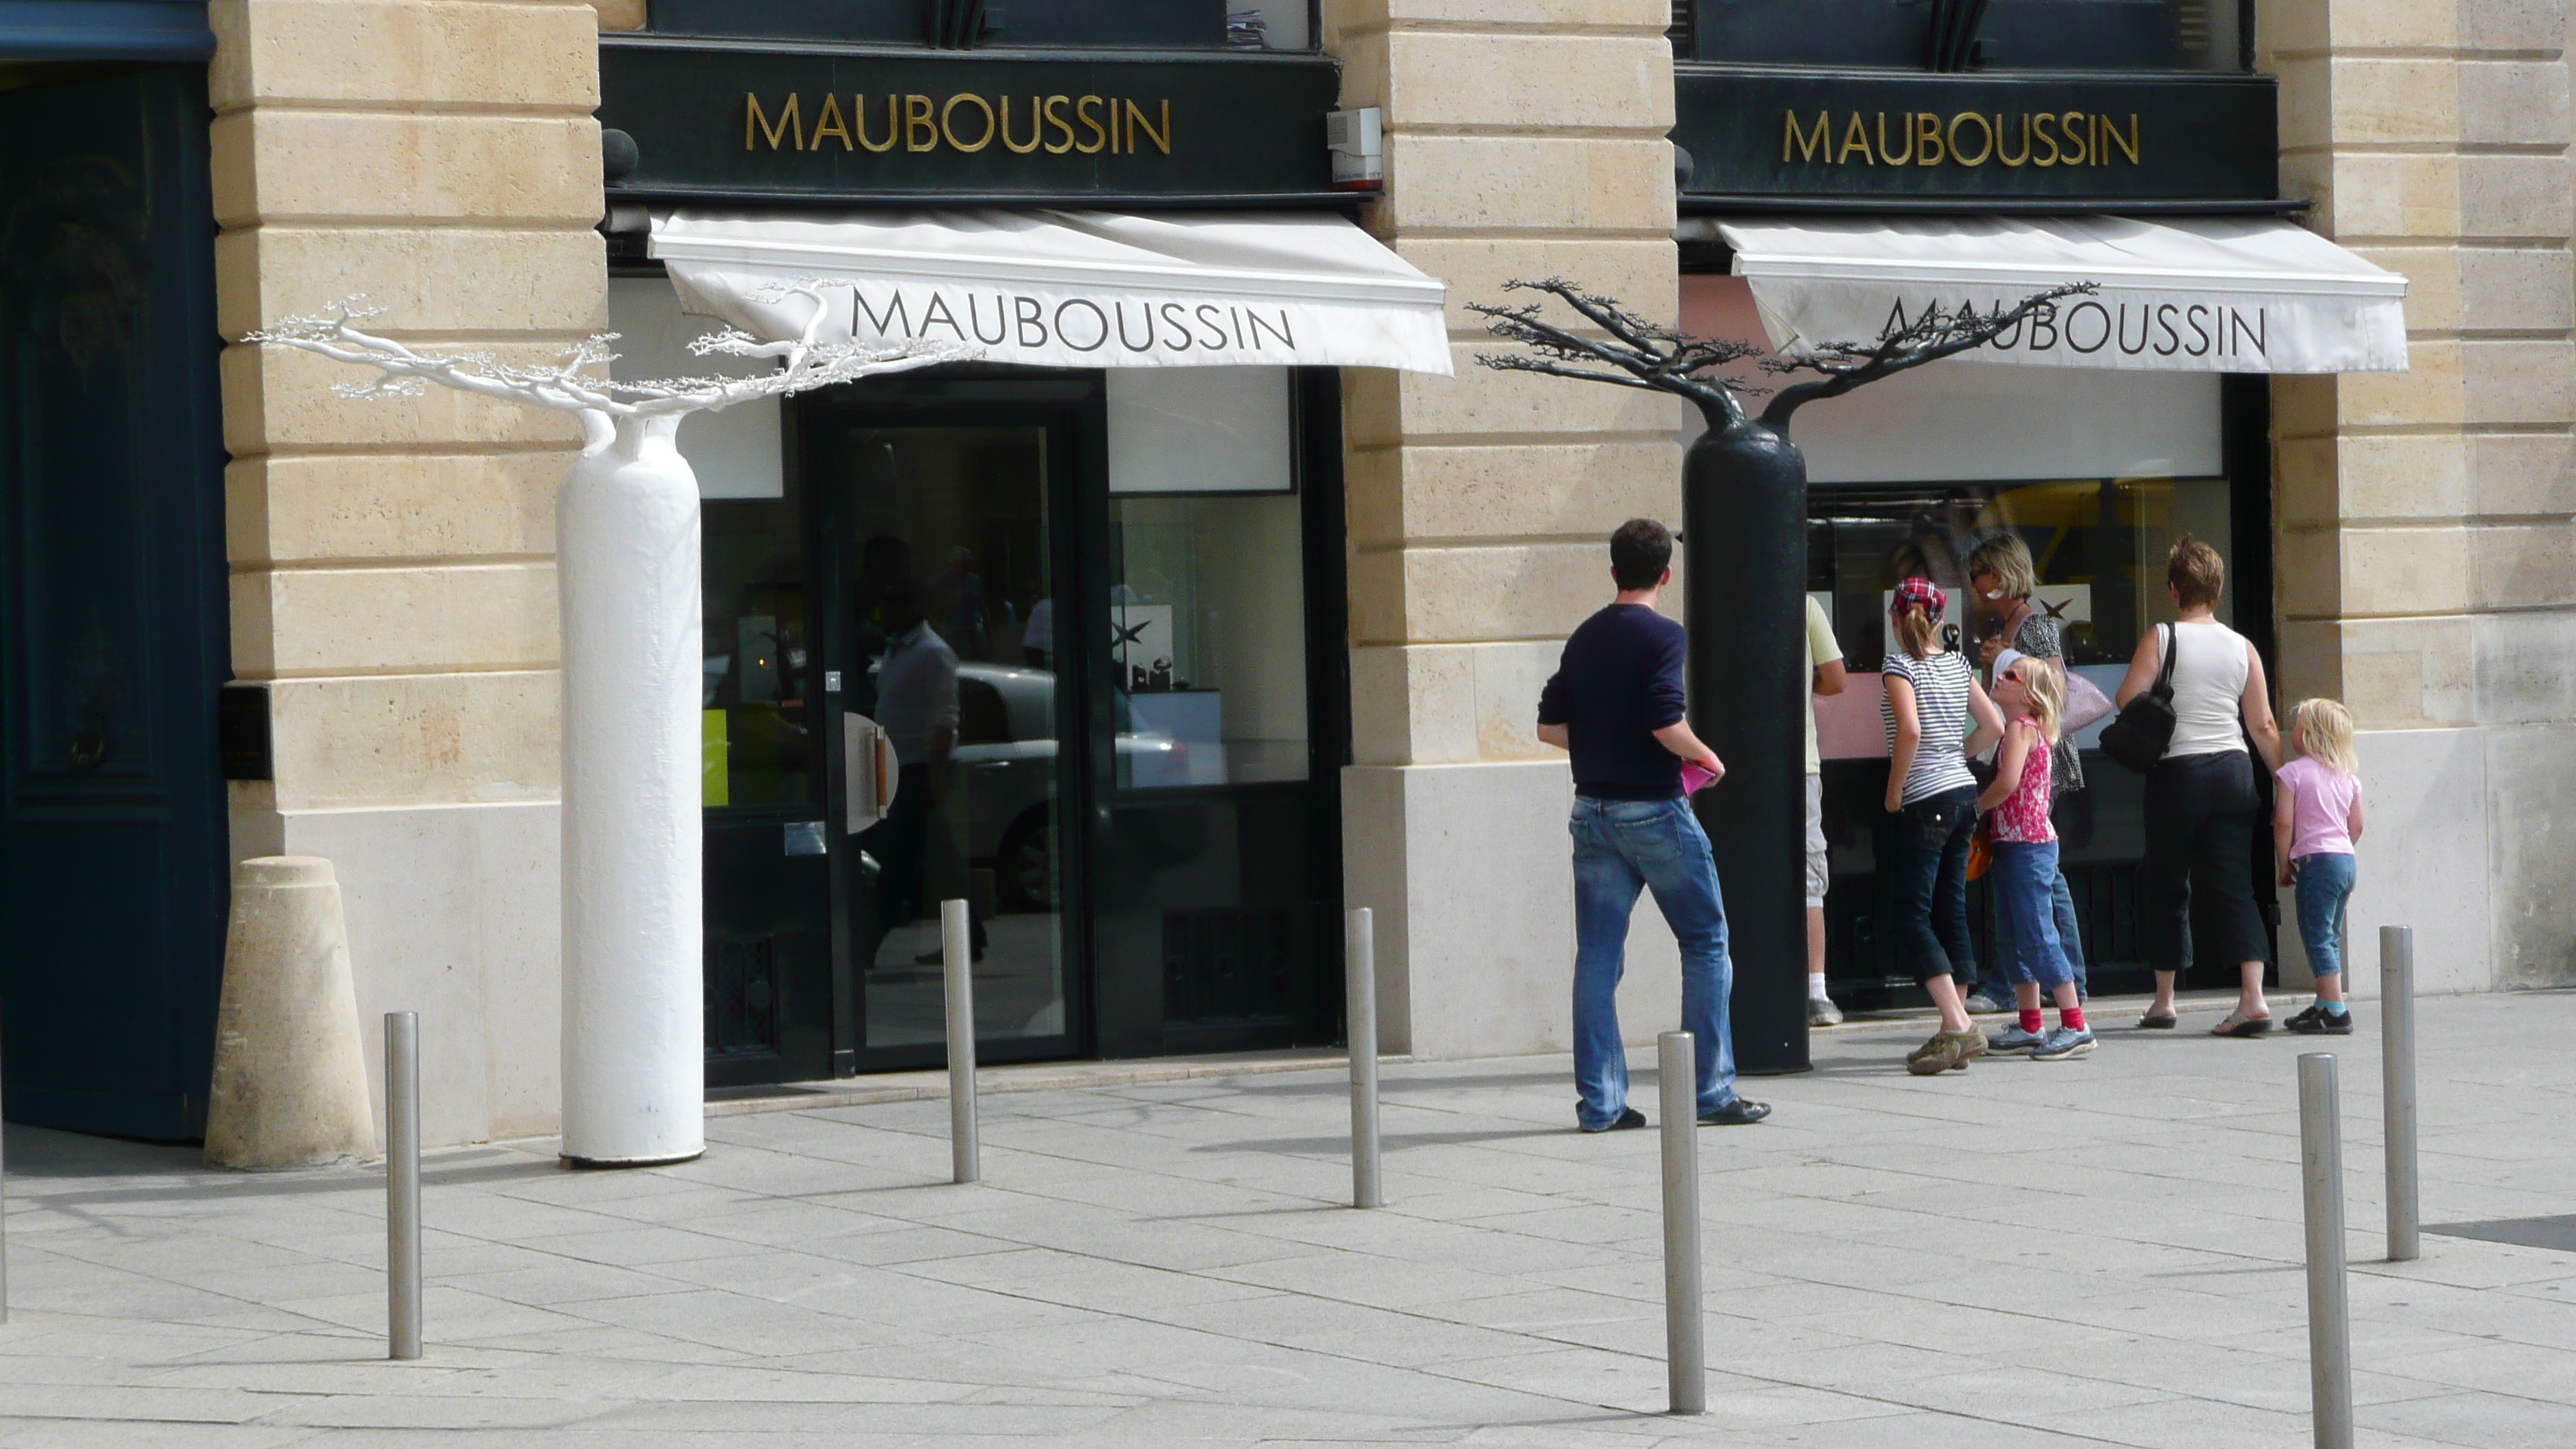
{"x": 2427, "y": 521}
{"x": 393, "y": 574}
{"x": 1525, "y": 139}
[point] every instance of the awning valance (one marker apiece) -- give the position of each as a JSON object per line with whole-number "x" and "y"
{"x": 2197, "y": 295}
{"x": 1069, "y": 288}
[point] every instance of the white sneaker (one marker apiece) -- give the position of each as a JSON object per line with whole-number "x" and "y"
{"x": 2062, "y": 1044}
{"x": 2013, "y": 1041}
{"x": 1822, "y": 1012}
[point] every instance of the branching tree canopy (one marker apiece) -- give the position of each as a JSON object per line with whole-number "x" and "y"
{"x": 574, "y": 383}
{"x": 1643, "y": 354}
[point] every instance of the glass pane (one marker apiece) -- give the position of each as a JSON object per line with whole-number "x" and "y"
{"x": 2099, "y": 545}
{"x": 1207, "y": 607}
{"x": 759, "y": 727}
{"x": 950, "y": 607}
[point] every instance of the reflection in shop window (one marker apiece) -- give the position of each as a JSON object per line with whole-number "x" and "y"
{"x": 2099, "y": 549}
{"x": 758, "y": 725}
{"x": 1209, "y": 649}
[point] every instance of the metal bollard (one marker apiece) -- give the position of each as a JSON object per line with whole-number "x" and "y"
{"x": 1685, "y": 1321}
{"x": 2397, "y": 1083}
{"x": 402, "y": 1183}
{"x": 957, "y": 958}
{"x": 1359, "y": 989}
{"x": 2329, "y": 1320}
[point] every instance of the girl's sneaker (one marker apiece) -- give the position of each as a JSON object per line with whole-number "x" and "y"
{"x": 2013, "y": 1041}
{"x": 2063, "y": 1043}
{"x": 2317, "y": 1021}
{"x": 1947, "y": 1051}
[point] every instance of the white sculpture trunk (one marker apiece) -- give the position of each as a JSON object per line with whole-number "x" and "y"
{"x": 634, "y": 1069}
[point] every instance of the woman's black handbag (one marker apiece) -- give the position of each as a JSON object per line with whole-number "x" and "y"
{"x": 2138, "y": 737}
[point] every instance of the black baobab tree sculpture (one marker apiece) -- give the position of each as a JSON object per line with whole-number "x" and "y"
{"x": 1744, "y": 535}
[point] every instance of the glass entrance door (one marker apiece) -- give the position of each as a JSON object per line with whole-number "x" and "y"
{"x": 942, "y": 539}
{"x": 1088, "y": 647}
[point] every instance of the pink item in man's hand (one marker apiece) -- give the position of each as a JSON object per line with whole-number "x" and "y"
{"x": 1696, "y": 777}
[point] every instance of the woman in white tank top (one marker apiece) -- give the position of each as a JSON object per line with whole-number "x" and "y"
{"x": 2202, "y": 809}
{"x": 2211, "y": 664}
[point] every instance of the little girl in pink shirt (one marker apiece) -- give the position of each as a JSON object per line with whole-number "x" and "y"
{"x": 2316, "y": 818}
{"x": 2032, "y": 694}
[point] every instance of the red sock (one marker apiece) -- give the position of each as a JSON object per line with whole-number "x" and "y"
{"x": 2030, "y": 1021}
{"x": 2071, "y": 1017}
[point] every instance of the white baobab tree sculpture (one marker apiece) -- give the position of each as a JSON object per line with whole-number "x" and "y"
{"x": 633, "y": 669}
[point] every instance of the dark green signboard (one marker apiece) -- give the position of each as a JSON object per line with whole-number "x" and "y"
{"x": 1896, "y": 136}
{"x": 721, "y": 120}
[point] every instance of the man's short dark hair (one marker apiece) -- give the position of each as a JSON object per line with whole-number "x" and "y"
{"x": 1639, "y": 553}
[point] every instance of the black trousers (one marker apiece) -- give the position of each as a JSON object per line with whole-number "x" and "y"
{"x": 1927, "y": 886}
{"x": 2202, "y": 815}
{"x": 902, "y": 843}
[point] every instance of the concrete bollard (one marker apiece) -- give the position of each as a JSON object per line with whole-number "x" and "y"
{"x": 2329, "y": 1315}
{"x": 290, "y": 1081}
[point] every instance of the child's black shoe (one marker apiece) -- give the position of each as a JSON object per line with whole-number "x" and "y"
{"x": 2317, "y": 1021}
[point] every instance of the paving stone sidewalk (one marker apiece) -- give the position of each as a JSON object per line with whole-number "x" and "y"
{"x": 2103, "y": 1251}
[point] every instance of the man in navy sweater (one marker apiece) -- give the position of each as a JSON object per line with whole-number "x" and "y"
{"x": 1615, "y": 702}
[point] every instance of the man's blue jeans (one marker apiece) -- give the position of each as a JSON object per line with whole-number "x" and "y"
{"x": 1620, "y": 848}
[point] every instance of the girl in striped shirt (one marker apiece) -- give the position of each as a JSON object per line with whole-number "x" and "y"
{"x": 1930, "y": 695}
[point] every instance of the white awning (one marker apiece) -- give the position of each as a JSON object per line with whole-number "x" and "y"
{"x": 1071, "y": 288}
{"x": 2199, "y": 295}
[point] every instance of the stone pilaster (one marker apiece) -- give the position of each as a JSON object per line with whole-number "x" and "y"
{"x": 1525, "y": 139}
{"x": 2428, "y": 520}
{"x": 393, "y": 559}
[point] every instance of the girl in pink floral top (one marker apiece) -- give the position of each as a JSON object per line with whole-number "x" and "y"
{"x": 2032, "y": 695}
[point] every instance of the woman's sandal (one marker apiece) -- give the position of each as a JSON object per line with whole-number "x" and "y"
{"x": 2239, "y": 1024}
{"x": 2158, "y": 1021}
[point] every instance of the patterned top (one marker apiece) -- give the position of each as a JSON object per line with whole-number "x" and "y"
{"x": 2042, "y": 637}
{"x": 1941, "y": 707}
{"x": 2023, "y": 816}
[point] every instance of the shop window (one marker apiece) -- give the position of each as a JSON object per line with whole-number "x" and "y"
{"x": 2190, "y": 35}
{"x": 1208, "y": 595}
{"x": 759, "y": 726}
{"x": 2098, "y": 545}
{"x": 1209, "y": 605}
{"x": 986, "y": 24}
{"x": 2098, "y": 473}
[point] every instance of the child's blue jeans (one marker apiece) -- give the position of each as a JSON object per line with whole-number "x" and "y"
{"x": 2070, "y": 937}
{"x": 2325, "y": 889}
{"x": 2024, "y": 878}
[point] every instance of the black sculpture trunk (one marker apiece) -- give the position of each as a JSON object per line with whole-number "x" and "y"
{"x": 1744, "y": 538}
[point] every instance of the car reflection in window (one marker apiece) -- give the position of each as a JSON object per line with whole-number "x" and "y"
{"x": 1005, "y": 758}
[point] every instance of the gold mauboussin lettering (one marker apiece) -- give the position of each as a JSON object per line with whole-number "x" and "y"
{"x": 1927, "y": 138}
{"x": 914, "y": 122}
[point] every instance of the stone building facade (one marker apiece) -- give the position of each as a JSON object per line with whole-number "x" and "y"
{"x": 392, "y": 577}
{"x": 1525, "y": 140}
{"x": 391, "y": 558}
{"x": 2427, "y": 559}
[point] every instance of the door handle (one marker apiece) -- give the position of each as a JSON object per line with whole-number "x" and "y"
{"x": 869, "y": 772}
